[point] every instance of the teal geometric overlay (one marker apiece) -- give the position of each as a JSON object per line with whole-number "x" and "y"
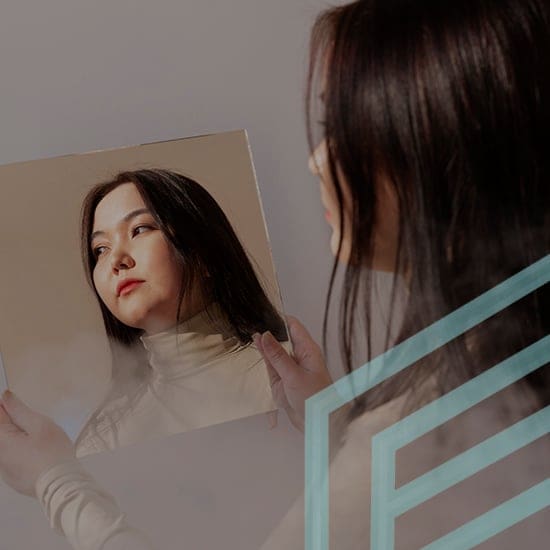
{"x": 387, "y": 502}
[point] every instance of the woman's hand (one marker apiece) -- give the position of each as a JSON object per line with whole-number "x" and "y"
{"x": 294, "y": 379}
{"x": 30, "y": 444}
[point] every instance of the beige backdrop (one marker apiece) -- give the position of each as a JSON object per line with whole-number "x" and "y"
{"x": 51, "y": 334}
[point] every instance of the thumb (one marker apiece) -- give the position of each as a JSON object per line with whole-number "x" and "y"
{"x": 21, "y": 415}
{"x": 4, "y": 416}
{"x": 278, "y": 357}
{"x": 307, "y": 352}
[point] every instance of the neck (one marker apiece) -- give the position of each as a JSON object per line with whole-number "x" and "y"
{"x": 190, "y": 345}
{"x": 189, "y": 308}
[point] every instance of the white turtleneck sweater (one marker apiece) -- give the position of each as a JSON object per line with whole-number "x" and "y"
{"x": 200, "y": 375}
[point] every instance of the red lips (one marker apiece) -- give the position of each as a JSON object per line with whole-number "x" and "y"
{"x": 127, "y": 285}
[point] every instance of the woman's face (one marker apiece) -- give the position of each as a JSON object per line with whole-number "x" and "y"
{"x": 136, "y": 273}
{"x": 386, "y": 229}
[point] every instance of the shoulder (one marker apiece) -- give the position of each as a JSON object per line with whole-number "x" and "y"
{"x": 100, "y": 432}
{"x": 361, "y": 429}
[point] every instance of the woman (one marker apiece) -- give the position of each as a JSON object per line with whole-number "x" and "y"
{"x": 180, "y": 301}
{"x": 433, "y": 167}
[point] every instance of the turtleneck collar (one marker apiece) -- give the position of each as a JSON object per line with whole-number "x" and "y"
{"x": 190, "y": 346}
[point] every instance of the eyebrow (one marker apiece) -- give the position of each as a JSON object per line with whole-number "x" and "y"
{"x": 125, "y": 219}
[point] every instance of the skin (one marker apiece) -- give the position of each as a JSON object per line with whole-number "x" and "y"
{"x": 386, "y": 229}
{"x": 30, "y": 444}
{"x": 128, "y": 243}
{"x": 318, "y": 166}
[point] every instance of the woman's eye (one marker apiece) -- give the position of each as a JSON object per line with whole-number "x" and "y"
{"x": 99, "y": 250}
{"x": 141, "y": 229}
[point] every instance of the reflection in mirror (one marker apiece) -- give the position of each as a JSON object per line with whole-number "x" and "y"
{"x": 176, "y": 293}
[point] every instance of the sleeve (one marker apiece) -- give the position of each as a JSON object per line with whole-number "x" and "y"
{"x": 88, "y": 516}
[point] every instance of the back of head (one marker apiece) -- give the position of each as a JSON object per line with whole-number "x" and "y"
{"x": 451, "y": 102}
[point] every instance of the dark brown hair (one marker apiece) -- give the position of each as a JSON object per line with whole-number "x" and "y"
{"x": 451, "y": 102}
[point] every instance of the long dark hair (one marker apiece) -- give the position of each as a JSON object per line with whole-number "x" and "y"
{"x": 211, "y": 256}
{"x": 451, "y": 102}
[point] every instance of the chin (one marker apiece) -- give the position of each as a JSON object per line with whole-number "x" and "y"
{"x": 134, "y": 319}
{"x": 345, "y": 251}
{"x": 152, "y": 321}
{"x": 335, "y": 237}
{"x": 132, "y": 323}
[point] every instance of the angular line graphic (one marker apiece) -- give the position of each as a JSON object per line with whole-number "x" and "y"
{"x": 319, "y": 406}
{"x": 496, "y": 520}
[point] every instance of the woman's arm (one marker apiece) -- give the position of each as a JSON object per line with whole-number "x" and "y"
{"x": 86, "y": 514}
{"x": 37, "y": 459}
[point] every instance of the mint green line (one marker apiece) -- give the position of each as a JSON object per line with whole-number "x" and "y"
{"x": 382, "y": 487}
{"x": 496, "y": 520}
{"x": 470, "y": 462}
{"x": 386, "y": 365}
{"x": 471, "y": 393}
{"x": 386, "y": 502}
{"x": 316, "y": 477}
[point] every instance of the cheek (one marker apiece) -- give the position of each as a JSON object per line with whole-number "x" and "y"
{"x": 162, "y": 261}
{"x": 328, "y": 192}
{"x": 173, "y": 273}
{"x": 100, "y": 284}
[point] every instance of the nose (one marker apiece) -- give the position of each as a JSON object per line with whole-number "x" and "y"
{"x": 317, "y": 159}
{"x": 121, "y": 259}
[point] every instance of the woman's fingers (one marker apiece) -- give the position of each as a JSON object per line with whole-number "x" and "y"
{"x": 278, "y": 358}
{"x": 4, "y": 417}
{"x": 272, "y": 374}
{"x": 293, "y": 378}
{"x": 20, "y": 414}
{"x": 306, "y": 351}
{"x": 30, "y": 443}
{"x": 7, "y": 430}
{"x": 307, "y": 354}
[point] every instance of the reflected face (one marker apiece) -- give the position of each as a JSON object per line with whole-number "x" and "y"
{"x": 386, "y": 229}
{"x": 136, "y": 273}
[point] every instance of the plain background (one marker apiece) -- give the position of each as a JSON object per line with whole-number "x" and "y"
{"x": 80, "y": 76}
